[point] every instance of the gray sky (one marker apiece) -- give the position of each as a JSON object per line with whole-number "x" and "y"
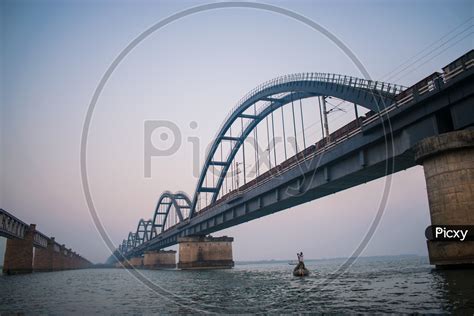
{"x": 54, "y": 53}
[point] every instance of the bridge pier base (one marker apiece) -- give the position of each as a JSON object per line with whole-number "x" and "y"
{"x": 122, "y": 265}
{"x": 19, "y": 253}
{"x": 201, "y": 252}
{"x": 160, "y": 259}
{"x": 448, "y": 162}
{"x": 136, "y": 262}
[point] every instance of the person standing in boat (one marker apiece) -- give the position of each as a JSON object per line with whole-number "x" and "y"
{"x": 300, "y": 261}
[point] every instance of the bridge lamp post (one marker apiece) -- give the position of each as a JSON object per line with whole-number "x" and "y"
{"x": 325, "y": 117}
{"x": 237, "y": 172}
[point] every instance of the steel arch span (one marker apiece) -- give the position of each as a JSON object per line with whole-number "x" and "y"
{"x": 143, "y": 233}
{"x": 131, "y": 241}
{"x": 373, "y": 95}
{"x": 171, "y": 209}
{"x": 123, "y": 246}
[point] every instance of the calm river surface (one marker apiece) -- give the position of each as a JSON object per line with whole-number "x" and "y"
{"x": 378, "y": 284}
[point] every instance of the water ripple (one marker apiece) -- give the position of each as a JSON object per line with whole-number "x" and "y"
{"x": 372, "y": 285}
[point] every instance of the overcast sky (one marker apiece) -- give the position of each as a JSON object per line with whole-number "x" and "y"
{"x": 54, "y": 53}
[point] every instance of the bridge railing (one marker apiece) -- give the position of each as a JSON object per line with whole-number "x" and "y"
{"x": 437, "y": 79}
{"x": 326, "y": 78}
{"x": 40, "y": 240}
{"x": 10, "y": 226}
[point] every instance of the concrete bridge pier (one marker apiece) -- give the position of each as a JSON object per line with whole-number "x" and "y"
{"x": 19, "y": 253}
{"x": 66, "y": 260}
{"x": 80, "y": 262}
{"x": 83, "y": 263}
{"x": 63, "y": 254}
{"x": 201, "y": 252}
{"x": 43, "y": 261}
{"x": 136, "y": 262}
{"x": 74, "y": 261}
{"x": 58, "y": 258}
{"x": 72, "y": 264}
{"x": 69, "y": 259}
{"x": 448, "y": 162}
{"x": 126, "y": 264}
{"x": 160, "y": 259}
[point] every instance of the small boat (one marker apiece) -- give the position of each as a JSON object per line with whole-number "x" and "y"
{"x": 300, "y": 271}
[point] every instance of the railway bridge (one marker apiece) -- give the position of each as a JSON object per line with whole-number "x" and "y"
{"x": 30, "y": 250}
{"x": 430, "y": 123}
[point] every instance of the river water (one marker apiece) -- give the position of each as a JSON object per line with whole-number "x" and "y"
{"x": 377, "y": 284}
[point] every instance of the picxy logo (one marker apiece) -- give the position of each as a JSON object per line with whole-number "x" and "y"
{"x": 449, "y": 232}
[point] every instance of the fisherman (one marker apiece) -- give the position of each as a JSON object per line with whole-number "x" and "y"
{"x": 300, "y": 261}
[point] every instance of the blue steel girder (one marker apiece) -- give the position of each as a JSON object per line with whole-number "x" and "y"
{"x": 372, "y": 95}
{"x": 169, "y": 200}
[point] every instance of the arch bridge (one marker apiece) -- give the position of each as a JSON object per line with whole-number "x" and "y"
{"x": 239, "y": 181}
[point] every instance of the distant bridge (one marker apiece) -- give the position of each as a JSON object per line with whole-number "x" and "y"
{"x": 22, "y": 238}
{"x": 358, "y": 152}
